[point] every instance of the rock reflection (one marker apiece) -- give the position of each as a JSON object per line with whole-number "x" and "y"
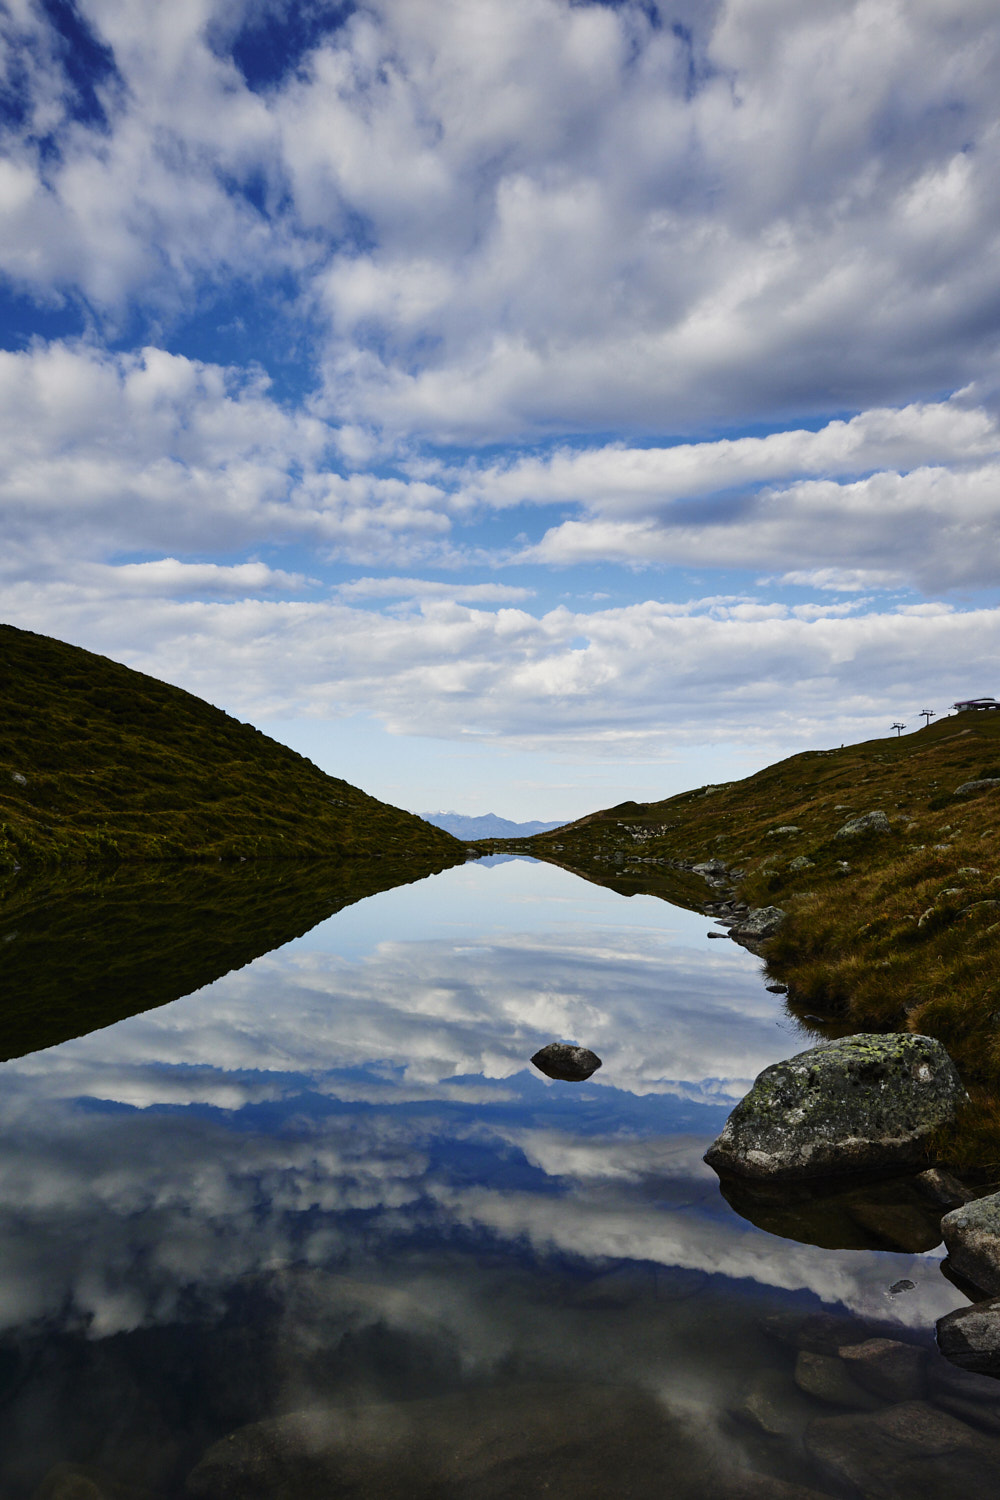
{"x": 897, "y": 1213}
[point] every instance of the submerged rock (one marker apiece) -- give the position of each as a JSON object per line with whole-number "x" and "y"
{"x": 866, "y": 1103}
{"x": 887, "y": 1368}
{"x": 907, "y": 1450}
{"x": 972, "y": 1237}
{"x": 567, "y": 1063}
{"x": 970, "y": 1337}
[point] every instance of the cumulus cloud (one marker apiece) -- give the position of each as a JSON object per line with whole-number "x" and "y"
{"x": 518, "y": 218}
{"x": 616, "y": 682}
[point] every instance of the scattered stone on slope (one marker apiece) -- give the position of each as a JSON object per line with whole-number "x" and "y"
{"x": 970, "y": 1337}
{"x": 567, "y": 1063}
{"x": 869, "y": 822}
{"x": 861, "y": 1103}
{"x": 977, "y": 786}
{"x": 972, "y": 1238}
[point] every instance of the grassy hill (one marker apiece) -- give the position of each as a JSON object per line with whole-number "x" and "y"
{"x": 98, "y": 762}
{"x": 884, "y": 931}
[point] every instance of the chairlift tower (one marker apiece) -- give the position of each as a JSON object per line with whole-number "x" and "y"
{"x": 927, "y": 714}
{"x": 898, "y": 728}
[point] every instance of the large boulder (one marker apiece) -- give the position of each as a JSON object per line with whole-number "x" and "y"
{"x": 972, "y": 1237}
{"x": 863, "y": 1103}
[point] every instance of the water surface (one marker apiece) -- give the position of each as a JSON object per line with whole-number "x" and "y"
{"x": 319, "y": 1228}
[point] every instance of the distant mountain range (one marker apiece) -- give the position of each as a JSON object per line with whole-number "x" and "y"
{"x": 489, "y": 826}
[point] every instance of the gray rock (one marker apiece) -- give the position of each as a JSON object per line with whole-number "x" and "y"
{"x": 887, "y": 1368}
{"x": 970, "y": 1337}
{"x": 710, "y": 867}
{"x": 785, "y": 828}
{"x": 972, "y": 1238}
{"x": 759, "y": 922}
{"x": 906, "y": 1451}
{"x": 567, "y": 1063}
{"x": 869, "y": 822}
{"x": 862, "y": 1103}
{"x": 828, "y": 1380}
{"x": 802, "y": 862}
{"x": 977, "y": 786}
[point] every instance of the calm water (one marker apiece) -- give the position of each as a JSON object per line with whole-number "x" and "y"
{"x": 319, "y": 1228}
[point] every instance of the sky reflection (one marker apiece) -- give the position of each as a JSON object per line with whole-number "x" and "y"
{"x": 367, "y": 1086}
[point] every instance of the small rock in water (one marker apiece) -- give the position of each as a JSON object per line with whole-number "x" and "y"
{"x": 718, "y": 934}
{"x": 776, "y": 989}
{"x": 567, "y": 1063}
{"x": 903, "y": 1285}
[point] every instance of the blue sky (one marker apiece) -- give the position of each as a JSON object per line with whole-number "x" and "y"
{"x": 517, "y": 405}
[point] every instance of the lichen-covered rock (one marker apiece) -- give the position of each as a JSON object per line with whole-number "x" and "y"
{"x": 972, "y": 1238}
{"x": 759, "y": 922}
{"x": 869, "y": 822}
{"x": 863, "y": 1103}
{"x": 977, "y": 786}
{"x": 567, "y": 1063}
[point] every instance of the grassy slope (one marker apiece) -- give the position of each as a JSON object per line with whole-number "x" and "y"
{"x": 906, "y": 937}
{"x": 98, "y": 762}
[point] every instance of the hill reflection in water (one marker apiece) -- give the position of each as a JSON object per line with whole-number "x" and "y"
{"x": 320, "y": 1229}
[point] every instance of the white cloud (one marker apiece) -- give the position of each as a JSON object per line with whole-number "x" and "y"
{"x": 509, "y": 218}
{"x": 934, "y": 528}
{"x": 424, "y": 588}
{"x": 647, "y": 677}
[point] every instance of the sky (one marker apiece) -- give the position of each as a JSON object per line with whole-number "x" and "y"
{"x": 514, "y": 405}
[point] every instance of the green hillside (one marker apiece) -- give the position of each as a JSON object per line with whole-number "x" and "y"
{"x": 885, "y": 930}
{"x": 98, "y": 762}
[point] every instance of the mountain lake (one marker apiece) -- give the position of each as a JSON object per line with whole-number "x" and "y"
{"x": 320, "y": 1229}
